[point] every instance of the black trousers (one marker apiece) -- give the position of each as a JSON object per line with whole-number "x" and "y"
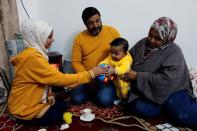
{"x": 53, "y": 116}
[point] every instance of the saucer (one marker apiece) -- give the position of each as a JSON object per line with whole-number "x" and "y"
{"x": 64, "y": 126}
{"x": 91, "y": 117}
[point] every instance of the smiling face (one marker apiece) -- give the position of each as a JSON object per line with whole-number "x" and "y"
{"x": 94, "y": 25}
{"x": 154, "y": 40}
{"x": 49, "y": 41}
{"x": 117, "y": 52}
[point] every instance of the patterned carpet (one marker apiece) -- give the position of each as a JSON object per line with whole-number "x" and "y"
{"x": 107, "y": 119}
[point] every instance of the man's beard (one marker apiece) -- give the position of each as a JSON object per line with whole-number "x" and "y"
{"x": 95, "y": 31}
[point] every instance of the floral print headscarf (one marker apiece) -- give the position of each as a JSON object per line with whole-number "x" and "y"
{"x": 167, "y": 29}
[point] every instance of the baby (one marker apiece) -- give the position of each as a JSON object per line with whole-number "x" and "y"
{"x": 119, "y": 62}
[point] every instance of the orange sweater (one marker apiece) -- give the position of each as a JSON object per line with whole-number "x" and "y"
{"x": 89, "y": 50}
{"x": 32, "y": 73}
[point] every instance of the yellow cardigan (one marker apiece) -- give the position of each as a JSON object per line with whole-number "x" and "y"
{"x": 32, "y": 73}
{"x": 121, "y": 67}
{"x": 89, "y": 50}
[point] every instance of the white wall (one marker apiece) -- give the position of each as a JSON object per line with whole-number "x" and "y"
{"x": 131, "y": 17}
{"x": 31, "y": 8}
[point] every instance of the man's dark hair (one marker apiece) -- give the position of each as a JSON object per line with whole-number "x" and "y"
{"x": 88, "y": 12}
{"x": 120, "y": 42}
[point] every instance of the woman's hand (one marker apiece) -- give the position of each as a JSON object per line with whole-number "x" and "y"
{"x": 99, "y": 70}
{"x": 51, "y": 98}
{"x": 130, "y": 75}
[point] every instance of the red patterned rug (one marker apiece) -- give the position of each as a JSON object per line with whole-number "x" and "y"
{"x": 114, "y": 116}
{"x": 105, "y": 113}
{"x": 107, "y": 119}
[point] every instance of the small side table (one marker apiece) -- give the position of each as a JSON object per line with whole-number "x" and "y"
{"x": 55, "y": 58}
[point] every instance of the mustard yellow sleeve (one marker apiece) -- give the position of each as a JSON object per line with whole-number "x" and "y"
{"x": 42, "y": 72}
{"x": 124, "y": 66}
{"x": 77, "y": 57}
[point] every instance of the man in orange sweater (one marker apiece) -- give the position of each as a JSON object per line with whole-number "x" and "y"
{"x": 89, "y": 48}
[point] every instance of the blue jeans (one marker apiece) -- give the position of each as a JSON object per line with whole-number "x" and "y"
{"x": 143, "y": 108}
{"x": 53, "y": 116}
{"x": 180, "y": 108}
{"x": 103, "y": 94}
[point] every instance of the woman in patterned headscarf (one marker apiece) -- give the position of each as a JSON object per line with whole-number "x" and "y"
{"x": 160, "y": 78}
{"x": 30, "y": 100}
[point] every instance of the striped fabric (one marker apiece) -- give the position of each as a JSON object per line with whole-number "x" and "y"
{"x": 4, "y": 90}
{"x": 13, "y": 48}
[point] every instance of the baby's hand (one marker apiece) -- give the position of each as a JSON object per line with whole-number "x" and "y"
{"x": 110, "y": 71}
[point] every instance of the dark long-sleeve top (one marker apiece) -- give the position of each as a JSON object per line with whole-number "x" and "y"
{"x": 159, "y": 75}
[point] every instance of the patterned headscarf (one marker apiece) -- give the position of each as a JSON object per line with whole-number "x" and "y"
{"x": 167, "y": 29}
{"x": 36, "y": 34}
